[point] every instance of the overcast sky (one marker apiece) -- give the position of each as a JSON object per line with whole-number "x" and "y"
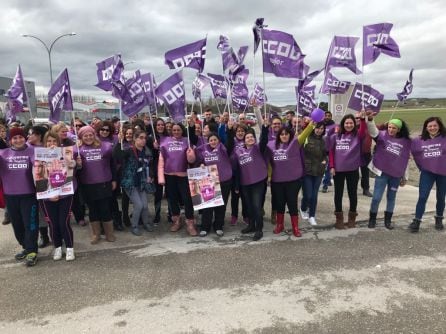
{"x": 142, "y": 31}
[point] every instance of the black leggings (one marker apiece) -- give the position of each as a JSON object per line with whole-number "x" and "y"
{"x": 218, "y": 212}
{"x": 352, "y": 179}
{"x": 286, "y": 193}
{"x": 58, "y": 214}
{"x": 254, "y": 194}
{"x": 178, "y": 192}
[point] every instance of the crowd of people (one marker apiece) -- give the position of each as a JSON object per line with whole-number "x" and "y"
{"x": 133, "y": 160}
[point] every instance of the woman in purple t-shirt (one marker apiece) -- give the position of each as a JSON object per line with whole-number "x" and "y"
{"x": 345, "y": 159}
{"x": 392, "y": 145}
{"x": 429, "y": 152}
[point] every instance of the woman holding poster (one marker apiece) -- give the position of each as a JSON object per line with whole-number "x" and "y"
{"x": 172, "y": 172}
{"x": 215, "y": 153}
{"x": 345, "y": 159}
{"x": 429, "y": 152}
{"x": 392, "y": 145}
{"x": 57, "y": 209}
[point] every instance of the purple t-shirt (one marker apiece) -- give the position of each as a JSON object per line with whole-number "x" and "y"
{"x": 174, "y": 154}
{"x": 430, "y": 155}
{"x": 96, "y": 163}
{"x": 16, "y": 171}
{"x": 392, "y": 154}
{"x": 347, "y": 152}
{"x": 217, "y": 156}
{"x": 252, "y": 165}
{"x": 287, "y": 161}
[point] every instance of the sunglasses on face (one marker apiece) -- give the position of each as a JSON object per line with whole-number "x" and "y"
{"x": 105, "y": 130}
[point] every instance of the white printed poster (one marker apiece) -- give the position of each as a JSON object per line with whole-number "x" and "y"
{"x": 204, "y": 185}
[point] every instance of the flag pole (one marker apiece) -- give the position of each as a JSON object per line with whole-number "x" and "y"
{"x": 154, "y": 96}
{"x": 263, "y": 72}
{"x": 75, "y": 130}
{"x": 122, "y": 123}
{"x": 27, "y": 98}
{"x": 201, "y": 113}
{"x": 394, "y": 109}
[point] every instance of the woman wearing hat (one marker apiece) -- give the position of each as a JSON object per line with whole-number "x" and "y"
{"x": 97, "y": 181}
{"x": 16, "y": 165}
{"x": 392, "y": 145}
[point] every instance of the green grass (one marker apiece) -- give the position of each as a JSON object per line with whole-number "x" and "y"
{"x": 413, "y": 117}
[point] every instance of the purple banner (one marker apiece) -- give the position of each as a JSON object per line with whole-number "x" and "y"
{"x": 16, "y": 94}
{"x": 135, "y": 88}
{"x": 219, "y": 85}
{"x": 109, "y": 70}
{"x": 371, "y": 97}
{"x": 377, "y": 40}
{"x": 309, "y": 90}
{"x": 407, "y": 89}
{"x": 191, "y": 55}
{"x": 59, "y": 96}
{"x": 258, "y": 96}
{"x": 171, "y": 92}
{"x": 308, "y": 78}
{"x": 333, "y": 85}
{"x": 240, "y": 76}
{"x": 199, "y": 83}
{"x": 240, "y": 96}
{"x": 281, "y": 55}
{"x": 149, "y": 85}
{"x": 342, "y": 54}
{"x": 257, "y": 31}
{"x": 305, "y": 104}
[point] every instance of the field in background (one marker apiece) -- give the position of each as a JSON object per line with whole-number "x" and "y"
{"x": 413, "y": 117}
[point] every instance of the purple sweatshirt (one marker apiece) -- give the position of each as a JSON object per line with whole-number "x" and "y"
{"x": 287, "y": 161}
{"x": 217, "y": 156}
{"x": 430, "y": 155}
{"x": 16, "y": 171}
{"x": 96, "y": 164}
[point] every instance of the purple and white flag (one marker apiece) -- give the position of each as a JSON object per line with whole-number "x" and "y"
{"x": 369, "y": 97}
{"x": 109, "y": 70}
{"x": 407, "y": 89}
{"x": 240, "y": 96}
{"x": 258, "y": 97}
{"x": 171, "y": 92}
{"x": 308, "y": 78}
{"x": 135, "y": 89}
{"x": 149, "y": 85}
{"x": 59, "y": 96}
{"x": 257, "y": 31}
{"x": 377, "y": 40}
{"x": 219, "y": 85}
{"x": 333, "y": 85}
{"x": 342, "y": 54}
{"x": 241, "y": 54}
{"x": 305, "y": 103}
{"x": 281, "y": 55}
{"x": 16, "y": 94}
{"x": 239, "y": 76}
{"x": 199, "y": 83}
{"x": 191, "y": 55}
{"x": 309, "y": 90}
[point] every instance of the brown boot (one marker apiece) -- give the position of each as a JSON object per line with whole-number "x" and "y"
{"x": 95, "y": 232}
{"x": 108, "y": 229}
{"x": 176, "y": 224}
{"x": 352, "y": 219}
{"x": 190, "y": 227}
{"x": 339, "y": 225}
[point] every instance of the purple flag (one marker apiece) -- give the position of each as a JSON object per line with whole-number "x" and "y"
{"x": 377, "y": 40}
{"x": 342, "y": 54}
{"x": 258, "y": 97}
{"x": 10, "y": 116}
{"x": 333, "y": 85}
{"x": 16, "y": 94}
{"x": 59, "y": 96}
{"x": 219, "y": 85}
{"x": 309, "y": 77}
{"x": 199, "y": 83}
{"x": 149, "y": 85}
{"x": 257, "y": 31}
{"x": 171, "y": 92}
{"x": 239, "y": 76}
{"x": 371, "y": 97}
{"x": 241, "y": 54}
{"x": 138, "y": 99}
{"x": 309, "y": 90}
{"x": 305, "y": 104}
{"x": 191, "y": 55}
{"x": 240, "y": 96}
{"x": 281, "y": 55}
{"x": 407, "y": 89}
{"x": 109, "y": 70}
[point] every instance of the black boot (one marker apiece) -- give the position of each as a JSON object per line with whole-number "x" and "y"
{"x": 388, "y": 220}
{"x": 372, "y": 219}
{"x": 117, "y": 221}
{"x": 259, "y": 232}
{"x": 157, "y": 218}
{"x": 44, "y": 239}
{"x": 439, "y": 223}
{"x": 250, "y": 228}
{"x": 415, "y": 225}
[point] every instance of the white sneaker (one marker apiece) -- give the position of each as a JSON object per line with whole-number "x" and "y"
{"x": 312, "y": 221}
{"x": 304, "y": 214}
{"x": 70, "y": 254}
{"x": 219, "y": 233}
{"x": 57, "y": 254}
{"x": 203, "y": 233}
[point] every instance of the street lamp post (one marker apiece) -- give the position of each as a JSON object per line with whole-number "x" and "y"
{"x": 49, "y": 49}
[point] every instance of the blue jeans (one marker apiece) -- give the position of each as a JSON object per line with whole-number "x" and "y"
{"x": 427, "y": 180}
{"x": 327, "y": 177}
{"x": 381, "y": 182}
{"x": 254, "y": 194}
{"x": 310, "y": 191}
